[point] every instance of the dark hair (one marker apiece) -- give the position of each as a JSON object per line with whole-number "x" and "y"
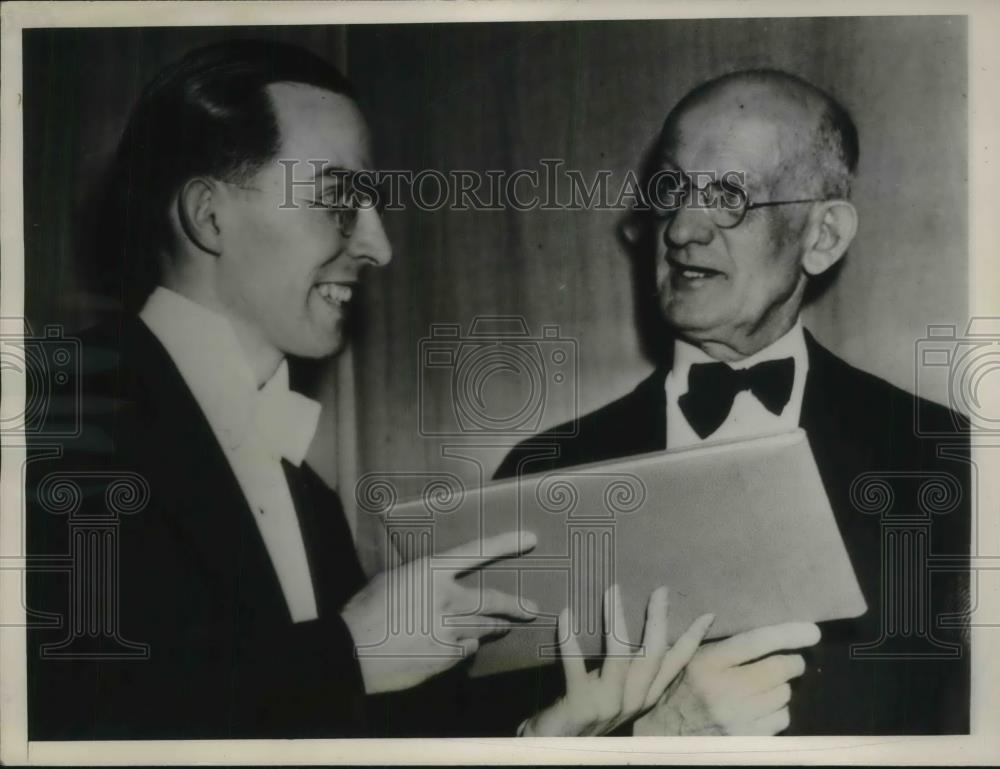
{"x": 207, "y": 113}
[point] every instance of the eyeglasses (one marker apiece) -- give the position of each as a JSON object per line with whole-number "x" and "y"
{"x": 725, "y": 201}
{"x": 343, "y": 200}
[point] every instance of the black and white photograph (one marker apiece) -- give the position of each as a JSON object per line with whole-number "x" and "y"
{"x": 520, "y": 370}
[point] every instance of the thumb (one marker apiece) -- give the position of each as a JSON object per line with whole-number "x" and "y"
{"x": 678, "y": 656}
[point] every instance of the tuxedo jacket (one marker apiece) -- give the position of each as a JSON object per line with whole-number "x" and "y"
{"x": 876, "y": 674}
{"x": 190, "y": 636}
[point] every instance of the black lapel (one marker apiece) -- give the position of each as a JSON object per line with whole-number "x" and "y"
{"x": 840, "y": 435}
{"x": 196, "y": 488}
{"x": 828, "y": 386}
{"x": 815, "y": 398}
{"x": 333, "y": 561}
{"x": 649, "y": 416}
{"x": 209, "y": 508}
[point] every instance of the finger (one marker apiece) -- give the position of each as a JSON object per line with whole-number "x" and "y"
{"x": 646, "y": 662}
{"x": 770, "y": 672}
{"x": 771, "y": 724}
{"x": 766, "y": 703}
{"x": 495, "y": 602}
{"x": 654, "y": 634}
{"x": 488, "y": 550}
{"x": 756, "y": 706}
{"x": 760, "y": 642}
{"x": 482, "y": 628}
{"x": 469, "y": 646}
{"x": 617, "y": 651}
{"x": 679, "y": 655}
{"x": 572, "y": 658}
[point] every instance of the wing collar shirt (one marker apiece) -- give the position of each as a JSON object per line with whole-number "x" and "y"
{"x": 748, "y": 416}
{"x": 256, "y": 428}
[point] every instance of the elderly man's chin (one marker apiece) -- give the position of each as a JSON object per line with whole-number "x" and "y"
{"x": 688, "y": 310}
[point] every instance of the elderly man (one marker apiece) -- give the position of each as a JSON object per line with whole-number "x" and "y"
{"x": 749, "y": 212}
{"x": 221, "y": 595}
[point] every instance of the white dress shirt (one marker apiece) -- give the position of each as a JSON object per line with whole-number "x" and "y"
{"x": 748, "y": 417}
{"x": 255, "y": 428}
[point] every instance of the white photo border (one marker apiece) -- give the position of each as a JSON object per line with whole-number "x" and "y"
{"x": 980, "y": 747}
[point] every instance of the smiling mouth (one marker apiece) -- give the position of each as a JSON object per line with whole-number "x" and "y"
{"x": 335, "y": 294}
{"x": 688, "y": 272}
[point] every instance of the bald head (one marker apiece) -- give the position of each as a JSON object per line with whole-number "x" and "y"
{"x": 734, "y": 284}
{"x": 807, "y": 144}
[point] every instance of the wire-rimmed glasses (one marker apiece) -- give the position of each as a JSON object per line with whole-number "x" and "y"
{"x": 724, "y": 199}
{"x": 341, "y": 198}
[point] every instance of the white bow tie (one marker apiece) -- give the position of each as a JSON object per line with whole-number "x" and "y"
{"x": 284, "y": 421}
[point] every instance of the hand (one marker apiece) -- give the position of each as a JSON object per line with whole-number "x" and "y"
{"x": 628, "y": 683}
{"x": 396, "y": 620}
{"x": 723, "y": 691}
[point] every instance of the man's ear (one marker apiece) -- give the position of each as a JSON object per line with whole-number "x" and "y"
{"x": 833, "y": 226}
{"x": 196, "y": 203}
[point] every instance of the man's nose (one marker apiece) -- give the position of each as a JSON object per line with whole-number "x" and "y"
{"x": 369, "y": 240}
{"x": 690, "y": 224}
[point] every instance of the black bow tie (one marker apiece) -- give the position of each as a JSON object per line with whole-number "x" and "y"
{"x": 713, "y": 386}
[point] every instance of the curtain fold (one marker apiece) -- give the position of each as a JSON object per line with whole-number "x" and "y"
{"x": 506, "y": 97}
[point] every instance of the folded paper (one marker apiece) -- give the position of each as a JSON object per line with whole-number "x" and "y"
{"x": 743, "y": 530}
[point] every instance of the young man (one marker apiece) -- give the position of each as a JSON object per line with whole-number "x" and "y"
{"x": 221, "y": 595}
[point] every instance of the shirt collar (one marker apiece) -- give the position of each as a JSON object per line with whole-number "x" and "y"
{"x": 206, "y": 351}
{"x": 791, "y": 345}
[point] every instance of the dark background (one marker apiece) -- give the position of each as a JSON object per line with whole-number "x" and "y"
{"x": 504, "y": 96}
